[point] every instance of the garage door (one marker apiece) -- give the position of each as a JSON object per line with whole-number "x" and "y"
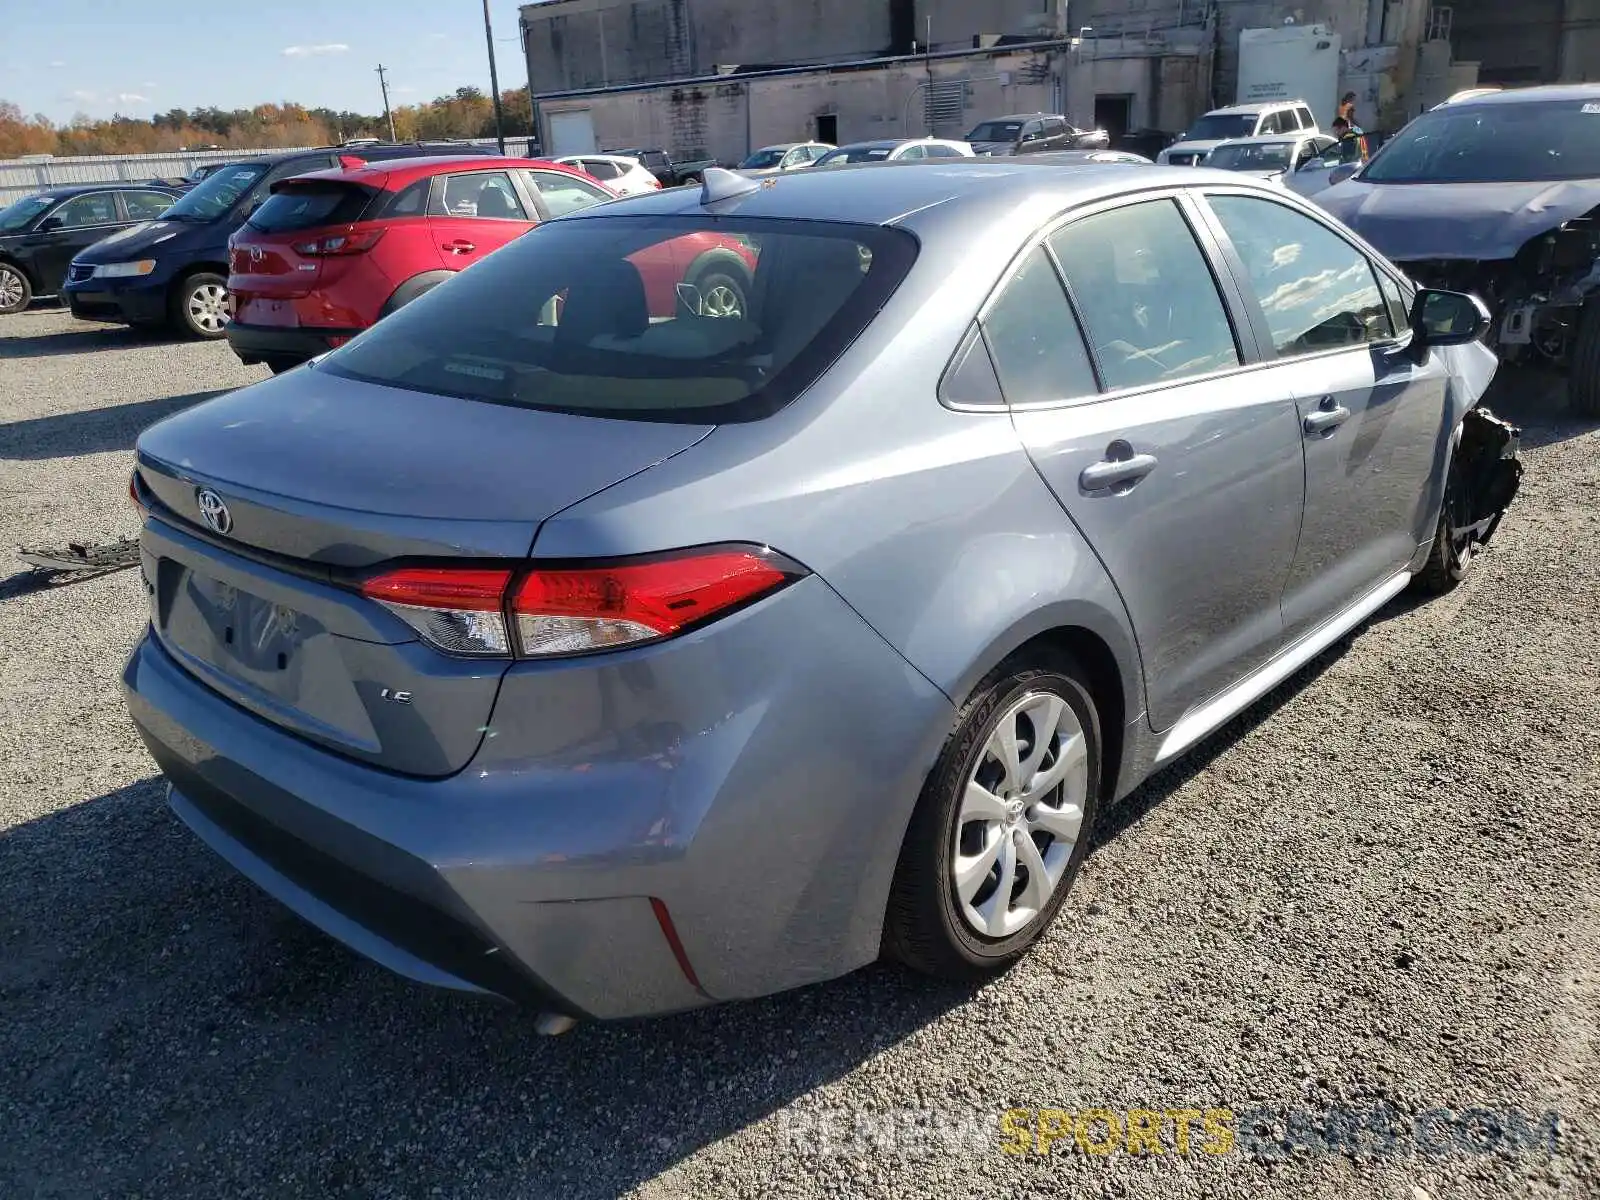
{"x": 572, "y": 132}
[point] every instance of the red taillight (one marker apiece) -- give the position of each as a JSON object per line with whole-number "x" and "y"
{"x": 458, "y": 611}
{"x": 133, "y": 494}
{"x": 575, "y": 609}
{"x": 339, "y": 243}
{"x": 571, "y": 610}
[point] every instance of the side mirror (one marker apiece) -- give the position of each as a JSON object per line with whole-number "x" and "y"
{"x": 1440, "y": 318}
{"x": 49, "y": 225}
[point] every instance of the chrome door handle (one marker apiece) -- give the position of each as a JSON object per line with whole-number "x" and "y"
{"x": 1116, "y": 472}
{"x": 1329, "y": 416}
{"x": 460, "y": 247}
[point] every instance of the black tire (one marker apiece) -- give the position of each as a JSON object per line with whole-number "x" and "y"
{"x": 191, "y": 306}
{"x": 729, "y": 288}
{"x": 279, "y": 365}
{"x": 1583, "y": 368}
{"x": 16, "y": 292}
{"x": 923, "y": 928}
{"x": 1450, "y": 557}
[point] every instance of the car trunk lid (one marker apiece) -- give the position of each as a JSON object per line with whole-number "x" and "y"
{"x": 260, "y": 602}
{"x": 280, "y": 251}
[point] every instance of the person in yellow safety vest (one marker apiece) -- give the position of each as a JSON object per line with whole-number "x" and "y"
{"x": 1352, "y": 140}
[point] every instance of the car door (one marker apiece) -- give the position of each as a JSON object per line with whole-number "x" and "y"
{"x": 1056, "y": 135}
{"x": 73, "y": 225}
{"x": 1373, "y": 421}
{"x": 472, "y": 214}
{"x": 1180, "y": 468}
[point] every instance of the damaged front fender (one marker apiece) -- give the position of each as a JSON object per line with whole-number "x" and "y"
{"x": 1486, "y": 473}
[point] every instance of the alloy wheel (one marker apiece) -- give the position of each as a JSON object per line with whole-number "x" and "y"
{"x": 721, "y": 300}
{"x": 11, "y": 288}
{"x": 1020, "y": 815}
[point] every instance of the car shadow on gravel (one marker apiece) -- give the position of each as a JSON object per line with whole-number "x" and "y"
{"x": 81, "y": 340}
{"x": 169, "y": 1030}
{"x": 172, "y": 1030}
{"x": 1536, "y": 399}
{"x": 92, "y": 431}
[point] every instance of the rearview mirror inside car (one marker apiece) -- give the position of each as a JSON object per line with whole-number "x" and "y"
{"x": 1440, "y": 318}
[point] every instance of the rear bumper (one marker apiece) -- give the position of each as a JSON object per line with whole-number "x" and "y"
{"x": 759, "y": 790}
{"x": 260, "y": 343}
{"x": 97, "y": 300}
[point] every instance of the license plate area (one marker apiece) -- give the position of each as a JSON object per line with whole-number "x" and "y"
{"x": 273, "y": 313}
{"x": 248, "y": 637}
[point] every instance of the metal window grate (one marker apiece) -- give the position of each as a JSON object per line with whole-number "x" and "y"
{"x": 944, "y": 102}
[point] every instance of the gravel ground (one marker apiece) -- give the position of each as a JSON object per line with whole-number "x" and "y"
{"x": 1377, "y": 892}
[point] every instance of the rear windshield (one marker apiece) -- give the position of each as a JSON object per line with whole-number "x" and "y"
{"x": 855, "y": 154}
{"x": 310, "y": 204}
{"x": 1528, "y": 142}
{"x": 1217, "y": 127}
{"x": 650, "y": 318}
{"x": 1269, "y": 156}
{"x": 762, "y": 159}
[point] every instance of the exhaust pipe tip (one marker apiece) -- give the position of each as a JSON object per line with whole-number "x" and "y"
{"x": 554, "y": 1024}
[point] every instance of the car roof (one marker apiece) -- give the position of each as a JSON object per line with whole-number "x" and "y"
{"x": 1272, "y": 139}
{"x": 394, "y": 173}
{"x": 67, "y": 190}
{"x": 1530, "y": 95}
{"x": 1261, "y": 107}
{"x": 915, "y": 195}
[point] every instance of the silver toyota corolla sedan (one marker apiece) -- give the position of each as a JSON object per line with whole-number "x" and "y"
{"x": 561, "y": 640}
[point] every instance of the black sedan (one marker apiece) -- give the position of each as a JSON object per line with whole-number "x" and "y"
{"x": 39, "y": 235}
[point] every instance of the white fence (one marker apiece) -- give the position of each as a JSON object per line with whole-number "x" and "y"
{"x": 19, "y": 178}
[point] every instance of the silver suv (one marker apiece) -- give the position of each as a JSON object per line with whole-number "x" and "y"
{"x": 1239, "y": 121}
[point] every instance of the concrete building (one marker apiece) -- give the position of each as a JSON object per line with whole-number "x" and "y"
{"x": 1531, "y": 41}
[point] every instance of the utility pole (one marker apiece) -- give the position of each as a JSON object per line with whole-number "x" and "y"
{"x": 494, "y": 82}
{"x": 387, "y": 114}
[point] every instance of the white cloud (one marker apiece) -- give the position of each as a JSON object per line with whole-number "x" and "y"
{"x": 131, "y": 98}
{"x": 58, "y": 62}
{"x": 81, "y": 97}
{"x": 320, "y": 48}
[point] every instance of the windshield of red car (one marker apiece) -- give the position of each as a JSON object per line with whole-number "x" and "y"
{"x": 1523, "y": 142}
{"x": 691, "y": 319}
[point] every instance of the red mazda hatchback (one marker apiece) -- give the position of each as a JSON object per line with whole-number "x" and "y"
{"x": 330, "y": 253}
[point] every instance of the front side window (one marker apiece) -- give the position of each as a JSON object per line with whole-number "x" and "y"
{"x": 1316, "y": 289}
{"x": 563, "y": 194}
{"x": 763, "y": 160}
{"x": 1148, "y": 299}
{"x": 1034, "y": 339}
{"x": 18, "y": 215}
{"x": 146, "y": 206}
{"x": 97, "y": 208}
{"x": 602, "y": 316}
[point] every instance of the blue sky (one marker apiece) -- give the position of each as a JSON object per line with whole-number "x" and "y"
{"x": 138, "y": 57}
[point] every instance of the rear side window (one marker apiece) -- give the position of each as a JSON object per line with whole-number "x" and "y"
{"x": 1054, "y": 127}
{"x": 1149, "y": 302}
{"x": 600, "y": 168}
{"x": 1033, "y": 336}
{"x": 1307, "y": 121}
{"x": 411, "y": 201}
{"x": 1316, "y": 289}
{"x": 311, "y": 204}
{"x": 603, "y": 316}
{"x": 484, "y": 194}
{"x": 146, "y": 206}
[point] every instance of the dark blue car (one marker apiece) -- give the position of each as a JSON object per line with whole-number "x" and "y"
{"x": 174, "y": 271}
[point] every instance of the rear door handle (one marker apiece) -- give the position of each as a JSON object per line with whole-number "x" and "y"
{"x": 1329, "y": 416}
{"x": 459, "y": 247}
{"x": 1116, "y": 472}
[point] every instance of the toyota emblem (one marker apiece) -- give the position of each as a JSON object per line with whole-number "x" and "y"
{"x": 213, "y": 511}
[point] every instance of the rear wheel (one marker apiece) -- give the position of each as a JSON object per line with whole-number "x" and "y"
{"x": 722, "y": 294}
{"x": 16, "y": 293}
{"x": 200, "y": 305}
{"x": 1002, "y": 827}
{"x": 1583, "y": 371}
